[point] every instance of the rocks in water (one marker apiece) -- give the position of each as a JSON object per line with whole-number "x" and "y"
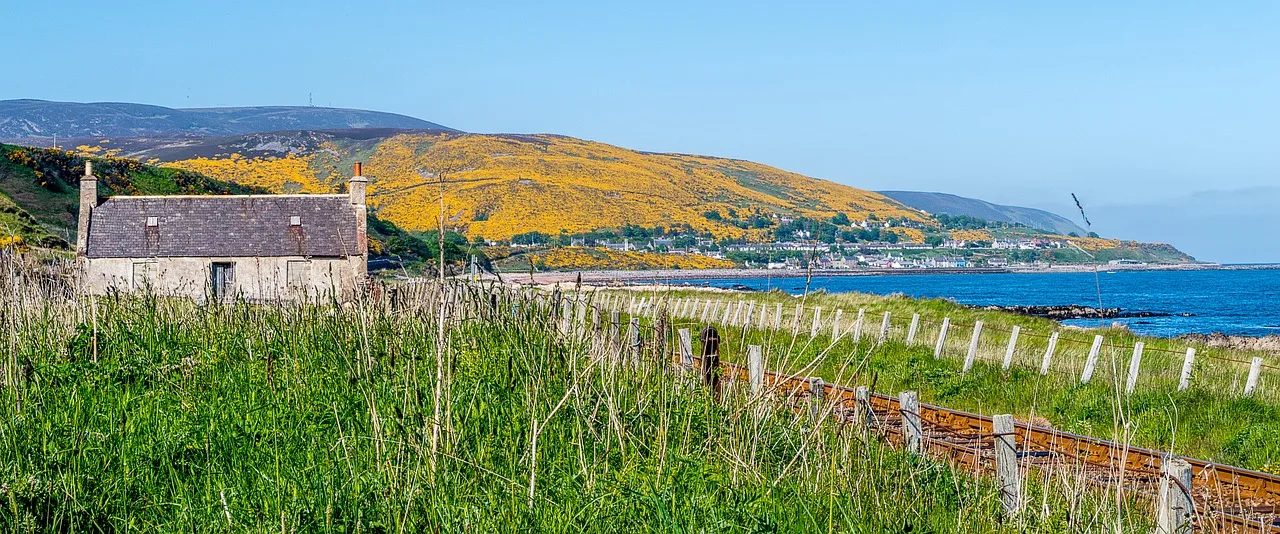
{"x": 1076, "y": 311}
{"x": 1218, "y": 339}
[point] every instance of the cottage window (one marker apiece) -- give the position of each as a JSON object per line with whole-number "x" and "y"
{"x": 153, "y": 222}
{"x": 295, "y": 221}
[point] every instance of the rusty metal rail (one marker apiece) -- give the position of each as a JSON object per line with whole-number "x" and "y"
{"x": 1228, "y": 499}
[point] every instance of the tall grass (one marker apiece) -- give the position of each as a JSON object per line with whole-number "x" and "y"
{"x": 145, "y": 413}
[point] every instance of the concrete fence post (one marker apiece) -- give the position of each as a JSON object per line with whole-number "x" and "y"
{"x": 1013, "y": 345}
{"x": 817, "y": 321}
{"x": 912, "y": 433}
{"x": 835, "y": 325}
{"x": 1006, "y": 451}
{"x": 686, "y": 349}
{"x": 1091, "y": 362}
{"x": 1255, "y": 371}
{"x": 942, "y": 337}
{"x": 911, "y": 330}
{"x": 1048, "y": 354}
{"x": 764, "y": 314}
{"x": 973, "y": 347}
{"x": 755, "y": 368}
{"x": 1135, "y": 363}
{"x": 777, "y": 317}
{"x": 884, "y": 328}
{"x": 1174, "y": 508}
{"x": 1188, "y": 364}
{"x": 857, "y": 325}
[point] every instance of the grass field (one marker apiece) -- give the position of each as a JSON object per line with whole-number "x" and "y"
{"x": 1210, "y": 420}
{"x": 140, "y": 413}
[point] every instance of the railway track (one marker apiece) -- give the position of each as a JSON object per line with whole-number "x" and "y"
{"x": 1227, "y": 499}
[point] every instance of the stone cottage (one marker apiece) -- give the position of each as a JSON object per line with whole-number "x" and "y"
{"x": 257, "y": 247}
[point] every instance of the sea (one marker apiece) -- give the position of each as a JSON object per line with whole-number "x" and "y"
{"x": 1233, "y": 302}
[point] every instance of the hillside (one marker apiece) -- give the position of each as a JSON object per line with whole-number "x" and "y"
{"x": 505, "y": 185}
{"x": 958, "y": 205}
{"x": 42, "y": 119}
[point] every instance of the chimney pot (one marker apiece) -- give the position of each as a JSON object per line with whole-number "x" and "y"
{"x": 358, "y": 168}
{"x": 88, "y": 168}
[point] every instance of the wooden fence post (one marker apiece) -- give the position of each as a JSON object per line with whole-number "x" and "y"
{"x": 631, "y": 308}
{"x": 1174, "y": 508}
{"x": 835, "y": 325}
{"x": 615, "y": 331}
{"x": 633, "y": 337}
{"x": 817, "y": 395}
{"x": 710, "y": 360}
{"x": 1255, "y": 371}
{"x": 1008, "y": 351}
{"x": 1048, "y": 354}
{"x": 751, "y": 310}
{"x": 863, "y": 415}
{"x": 686, "y": 349}
{"x": 1188, "y": 364}
{"x": 1092, "y": 361}
{"x": 915, "y": 326}
{"x": 724, "y": 320}
{"x": 942, "y": 337}
{"x": 857, "y": 325}
{"x": 1006, "y": 449}
{"x": 764, "y": 315}
{"x": 912, "y": 433}
{"x": 737, "y": 314}
{"x": 795, "y": 320}
{"x": 777, "y": 317}
{"x": 1135, "y": 363}
{"x": 817, "y": 320}
{"x": 755, "y": 368}
{"x": 973, "y": 347}
{"x": 708, "y": 309}
{"x": 884, "y": 328}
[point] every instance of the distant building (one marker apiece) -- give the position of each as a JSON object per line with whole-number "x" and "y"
{"x": 257, "y": 247}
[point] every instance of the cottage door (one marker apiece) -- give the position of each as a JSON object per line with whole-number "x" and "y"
{"x": 222, "y": 278}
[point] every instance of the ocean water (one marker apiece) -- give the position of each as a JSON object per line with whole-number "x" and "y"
{"x": 1244, "y": 302}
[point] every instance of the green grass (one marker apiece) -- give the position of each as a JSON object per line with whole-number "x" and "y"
{"x": 1211, "y": 420}
{"x": 149, "y": 414}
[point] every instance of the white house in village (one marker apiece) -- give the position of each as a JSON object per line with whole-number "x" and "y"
{"x": 257, "y": 247}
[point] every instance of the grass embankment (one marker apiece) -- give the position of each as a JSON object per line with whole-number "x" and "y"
{"x": 1211, "y": 420}
{"x": 139, "y": 413}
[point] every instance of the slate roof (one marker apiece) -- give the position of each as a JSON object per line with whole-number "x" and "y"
{"x": 223, "y": 226}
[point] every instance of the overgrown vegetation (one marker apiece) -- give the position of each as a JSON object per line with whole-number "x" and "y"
{"x": 146, "y": 413}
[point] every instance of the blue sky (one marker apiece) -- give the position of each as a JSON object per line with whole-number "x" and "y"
{"x": 1157, "y": 107}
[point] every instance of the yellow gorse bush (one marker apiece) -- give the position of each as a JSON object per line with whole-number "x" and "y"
{"x": 598, "y": 258}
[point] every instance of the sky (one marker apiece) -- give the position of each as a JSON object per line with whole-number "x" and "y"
{"x": 1160, "y": 116}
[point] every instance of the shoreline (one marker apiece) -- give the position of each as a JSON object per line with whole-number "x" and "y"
{"x": 675, "y": 276}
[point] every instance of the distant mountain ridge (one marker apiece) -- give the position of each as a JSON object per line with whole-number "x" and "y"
{"x": 26, "y": 120}
{"x": 958, "y": 205}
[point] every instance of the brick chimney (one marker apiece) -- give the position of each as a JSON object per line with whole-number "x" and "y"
{"x": 88, "y": 201}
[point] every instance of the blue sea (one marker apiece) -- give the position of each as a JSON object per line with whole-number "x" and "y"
{"x": 1238, "y": 302}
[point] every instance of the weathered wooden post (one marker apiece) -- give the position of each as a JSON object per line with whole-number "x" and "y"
{"x": 884, "y": 328}
{"x": 1091, "y": 362}
{"x": 1255, "y": 371}
{"x": 710, "y": 360}
{"x": 1135, "y": 363}
{"x": 942, "y": 337}
{"x": 755, "y": 368}
{"x": 911, "y": 330}
{"x": 1174, "y": 508}
{"x": 817, "y": 396}
{"x": 1006, "y": 449}
{"x": 1008, "y": 351}
{"x": 686, "y": 349}
{"x": 708, "y": 309}
{"x": 1188, "y": 364}
{"x": 912, "y": 433}
{"x": 615, "y": 331}
{"x": 633, "y": 337}
{"x": 863, "y": 415}
{"x": 817, "y": 320}
{"x": 857, "y": 325}
{"x": 835, "y": 325}
{"x": 724, "y": 320}
{"x": 795, "y": 320}
{"x": 631, "y": 308}
{"x": 777, "y": 317}
{"x": 751, "y": 310}
{"x": 764, "y": 313}
{"x": 737, "y": 314}
{"x": 1048, "y": 354}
